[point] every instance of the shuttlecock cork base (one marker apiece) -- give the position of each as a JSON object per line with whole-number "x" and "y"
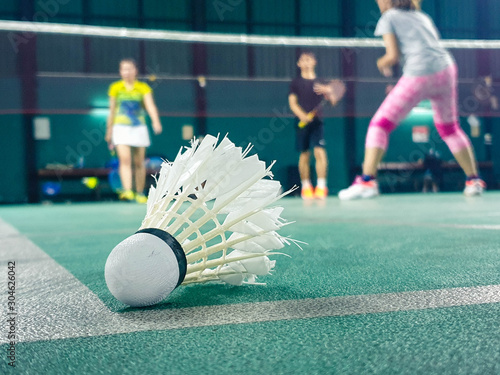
{"x": 208, "y": 219}
{"x": 145, "y": 268}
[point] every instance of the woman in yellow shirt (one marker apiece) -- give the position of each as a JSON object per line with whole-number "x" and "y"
{"x": 126, "y": 130}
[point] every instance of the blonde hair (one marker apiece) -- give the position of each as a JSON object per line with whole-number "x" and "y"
{"x": 406, "y": 4}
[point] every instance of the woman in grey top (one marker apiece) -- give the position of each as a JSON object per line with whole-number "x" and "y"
{"x": 429, "y": 72}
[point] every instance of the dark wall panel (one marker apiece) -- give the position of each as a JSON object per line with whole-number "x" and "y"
{"x": 61, "y": 54}
{"x": 273, "y": 11}
{"x": 175, "y": 96}
{"x": 10, "y": 8}
{"x": 430, "y": 7}
{"x": 227, "y": 28}
{"x": 12, "y": 101}
{"x": 317, "y": 31}
{"x": 60, "y": 11}
{"x": 495, "y": 147}
{"x": 8, "y": 50}
{"x": 367, "y": 14}
{"x": 72, "y": 94}
{"x": 173, "y": 9}
{"x": 274, "y": 30}
{"x": 13, "y": 184}
{"x": 106, "y": 54}
{"x": 248, "y": 98}
{"x": 328, "y": 62}
{"x": 163, "y": 24}
{"x": 336, "y": 148}
{"x": 114, "y": 22}
{"x": 275, "y": 61}
{"x": 169, "y": 58}
{"x": 126, "y": 8}
{"x": 321, "y": 12}
{"x": 458, "y": 19}
{"x": 227, "y": 60}
{"x": 227, "y": 11}
{"x": 466, "y": 62}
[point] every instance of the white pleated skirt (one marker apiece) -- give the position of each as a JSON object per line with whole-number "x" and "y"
{"x": 134, "y": 136}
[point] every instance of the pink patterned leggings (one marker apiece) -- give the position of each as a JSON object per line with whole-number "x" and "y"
{"x": 441, "y": 89}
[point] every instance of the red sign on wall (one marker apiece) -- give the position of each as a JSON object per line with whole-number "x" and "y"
{"x": 420, "y": 134}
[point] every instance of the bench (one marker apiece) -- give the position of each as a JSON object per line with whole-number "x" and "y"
{"x": 68, "y": 174}
{"x": 394, "y": 176}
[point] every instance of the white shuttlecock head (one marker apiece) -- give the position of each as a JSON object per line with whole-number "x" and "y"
{"x": 208, "y": 219}
{"x": 145, "y": 268}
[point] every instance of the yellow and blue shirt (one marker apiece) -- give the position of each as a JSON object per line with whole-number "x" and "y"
{"x": 129, "y": 103}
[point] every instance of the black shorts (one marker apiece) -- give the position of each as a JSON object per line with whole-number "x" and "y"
{"x": 311, "y": 136}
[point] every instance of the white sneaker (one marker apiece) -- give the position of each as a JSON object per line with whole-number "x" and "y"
{"x": 359, "y": 190}
{"x": 474, "y": 187}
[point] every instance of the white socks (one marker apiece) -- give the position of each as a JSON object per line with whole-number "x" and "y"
{"x": 322, "y": 183}
{"x": 306, "y": 184}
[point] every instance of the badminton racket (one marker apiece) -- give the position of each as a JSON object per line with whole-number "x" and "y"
{"x": 337, "y": 92}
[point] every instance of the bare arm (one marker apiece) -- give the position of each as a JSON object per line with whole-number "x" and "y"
{"x": 296, "y": 108}
{"x": 150, "y": 105}
{"x": 391, "y": 57}
{"x": 111, "y": 119}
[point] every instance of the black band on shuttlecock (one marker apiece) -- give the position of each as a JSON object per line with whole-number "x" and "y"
{"x": 174, "y": 245}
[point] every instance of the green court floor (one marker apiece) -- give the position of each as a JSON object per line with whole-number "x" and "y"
{"x": 397, "y": 245}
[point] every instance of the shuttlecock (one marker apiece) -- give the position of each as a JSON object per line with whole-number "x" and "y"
{"x": 90, "y": 182}
{"x": 208, "y": 219}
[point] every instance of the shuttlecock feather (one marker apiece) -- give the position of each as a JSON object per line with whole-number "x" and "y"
{"x": 207, "y": 219}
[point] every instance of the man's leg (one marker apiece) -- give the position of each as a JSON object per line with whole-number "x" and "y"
{"x": 305, "y": 174}
{"x": 321, "y": 157}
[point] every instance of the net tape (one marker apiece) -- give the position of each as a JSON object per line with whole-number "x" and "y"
{"x": 242, "y": 39}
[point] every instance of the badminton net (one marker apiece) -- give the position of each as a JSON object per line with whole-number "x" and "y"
{"x": 238, "y": 75}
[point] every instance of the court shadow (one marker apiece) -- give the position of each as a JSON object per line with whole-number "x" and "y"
{"x": 218, "y": 294}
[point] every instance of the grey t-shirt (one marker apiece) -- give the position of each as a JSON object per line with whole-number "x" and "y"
{"x": 418, "y": 41}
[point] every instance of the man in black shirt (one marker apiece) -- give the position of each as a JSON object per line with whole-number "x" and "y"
{"x": 306, "y": 94}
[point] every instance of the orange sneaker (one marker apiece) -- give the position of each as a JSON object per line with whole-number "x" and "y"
{"x": 320, "y": 193}
{"x": 307, "y": 193}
